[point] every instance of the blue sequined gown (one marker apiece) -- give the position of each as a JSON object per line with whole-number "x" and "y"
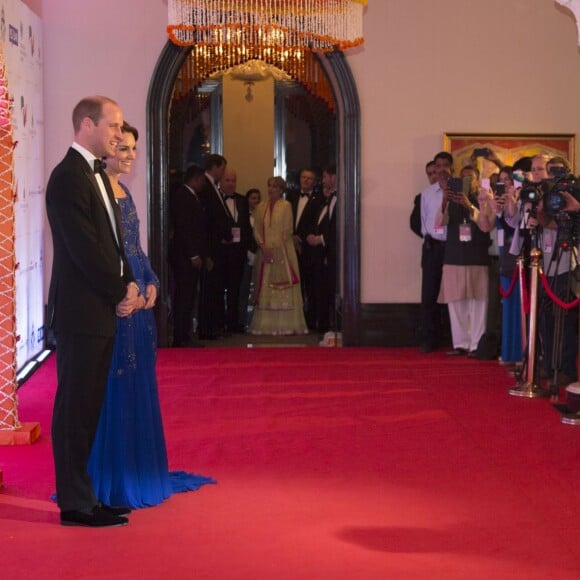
{"x": 128, "y": 463}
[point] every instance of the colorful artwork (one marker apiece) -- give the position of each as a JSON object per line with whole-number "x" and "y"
{"x": 508, "y": 148}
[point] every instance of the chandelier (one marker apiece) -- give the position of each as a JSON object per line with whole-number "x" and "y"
{"x": 280, "y": 25}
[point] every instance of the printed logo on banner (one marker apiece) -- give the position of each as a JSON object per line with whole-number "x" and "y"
{"x": 23, "y": 110}
{"x": 23, "y": 54}
{"x": 13, "y": 35}
{"x": 21, "y": 33}
{"x": 31, "y": 42}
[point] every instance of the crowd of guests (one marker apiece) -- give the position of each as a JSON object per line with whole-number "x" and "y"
{"x": 473, "y": 232}
{"x": 251, "y": 263}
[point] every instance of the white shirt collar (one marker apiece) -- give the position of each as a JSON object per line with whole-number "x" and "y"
{"x": 88, "y": 156}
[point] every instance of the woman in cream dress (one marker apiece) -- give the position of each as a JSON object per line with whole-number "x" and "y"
{"x": 278, "y": 304}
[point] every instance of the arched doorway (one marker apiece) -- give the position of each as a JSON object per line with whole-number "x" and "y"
{"x": 349, "y": 162}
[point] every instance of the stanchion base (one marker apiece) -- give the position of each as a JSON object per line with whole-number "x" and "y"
{"x": 26, "y": 434}
{"x": 529, "y": 390}
{"x": 570, "y": 419}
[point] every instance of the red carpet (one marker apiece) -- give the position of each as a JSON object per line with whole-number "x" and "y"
{"x": 331, "y": 464}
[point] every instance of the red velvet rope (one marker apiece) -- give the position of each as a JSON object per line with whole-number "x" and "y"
{"x": 554, "y": 298}
{"x": 507, "y": 293}
{"x": 525, "y": 295}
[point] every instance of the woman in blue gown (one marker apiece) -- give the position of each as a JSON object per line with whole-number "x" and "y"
{"x": 128, "y": 463}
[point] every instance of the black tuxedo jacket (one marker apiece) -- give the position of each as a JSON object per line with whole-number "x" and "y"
{"x": 325, "y": 225}
{"x": 415, "y": 217}
{"x": 86, "y": 282}
{"x": 310, "y": 213}
{"x": 219, "y": 221}
{"x": 189, "y": 227}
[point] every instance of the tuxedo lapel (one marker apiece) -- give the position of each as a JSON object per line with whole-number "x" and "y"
{"x": 90, "y": 174}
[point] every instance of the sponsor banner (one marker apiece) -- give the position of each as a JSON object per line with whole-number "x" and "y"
{"x": 21, "y": 37}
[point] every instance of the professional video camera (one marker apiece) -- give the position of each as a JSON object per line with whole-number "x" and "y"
{"x": 551, "y": 191}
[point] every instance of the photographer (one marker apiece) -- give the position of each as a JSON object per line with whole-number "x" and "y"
{"x": 558, "y": 327}
{"x": 492, "y": 215}
{"x": 537, "y": 222}
{"x": 434, "y": 237}
{"x": 464, "y": 285}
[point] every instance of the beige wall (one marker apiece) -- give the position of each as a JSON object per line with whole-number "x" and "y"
{"x": 248, "y": 132}
{"x": 426, "y": 68}
{"x": 449, "y": 66}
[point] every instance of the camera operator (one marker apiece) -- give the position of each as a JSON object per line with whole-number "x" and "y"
{"x": 464, "y": 285}
{"x": 559, "y": 265}
{"x": 546, "y": 230}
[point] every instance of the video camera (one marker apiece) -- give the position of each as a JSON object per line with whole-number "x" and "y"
{"x": 551, "y": 191}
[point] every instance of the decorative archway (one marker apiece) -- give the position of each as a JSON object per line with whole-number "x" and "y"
{"x": 349, "y": 166}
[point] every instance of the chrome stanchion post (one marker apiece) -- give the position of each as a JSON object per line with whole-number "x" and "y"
{"x": 529, "y": 388}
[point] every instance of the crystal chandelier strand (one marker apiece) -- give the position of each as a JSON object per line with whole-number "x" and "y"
{"x": 316, "y": 24}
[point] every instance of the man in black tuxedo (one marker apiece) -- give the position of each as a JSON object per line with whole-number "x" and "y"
{"x": 234, "y": 255}
{"x": 305, "y": 207}
{"x": 187, "y": 252}
{"x": 91, "y": 283}
{"x": 323, "y": 242}
{"x": 219, "y": 234}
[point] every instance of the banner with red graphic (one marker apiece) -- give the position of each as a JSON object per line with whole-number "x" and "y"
{"x": 21, "y": 37}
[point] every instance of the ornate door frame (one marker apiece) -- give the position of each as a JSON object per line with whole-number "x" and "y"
{"x": 348, "y": 164}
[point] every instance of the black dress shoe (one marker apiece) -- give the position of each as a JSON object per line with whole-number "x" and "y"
{"x": 98, "y": 518}
{"x": 116, "y": 511}
{"x": 426, "y": 348}
{"x": 456, "y": 352}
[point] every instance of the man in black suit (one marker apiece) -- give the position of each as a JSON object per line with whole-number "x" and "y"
{"x": 91, "y": 282}
{"x": 219, "y": 234}
{"x": 305, "y": 207}
{"x": 187, "y": 252}
{"x": 234, "y": 255}
{"x": 323, "y": 242}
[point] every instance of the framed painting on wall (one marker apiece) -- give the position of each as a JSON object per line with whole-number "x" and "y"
{"x": 508, "y": 148}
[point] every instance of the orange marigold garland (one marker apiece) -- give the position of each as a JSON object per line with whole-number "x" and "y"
{"x": 8, "y": 410}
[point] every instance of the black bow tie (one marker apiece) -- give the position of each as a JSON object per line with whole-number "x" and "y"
{"x": 229, "y": 196}
{"x": 98, "y": 165}
{"x": 302, "y": 194}
{"x": 329, "y": 198}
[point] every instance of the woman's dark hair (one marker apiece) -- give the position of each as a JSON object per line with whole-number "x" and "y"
{"x": 507, "y": 169}
{"x": 126, "y": 128}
